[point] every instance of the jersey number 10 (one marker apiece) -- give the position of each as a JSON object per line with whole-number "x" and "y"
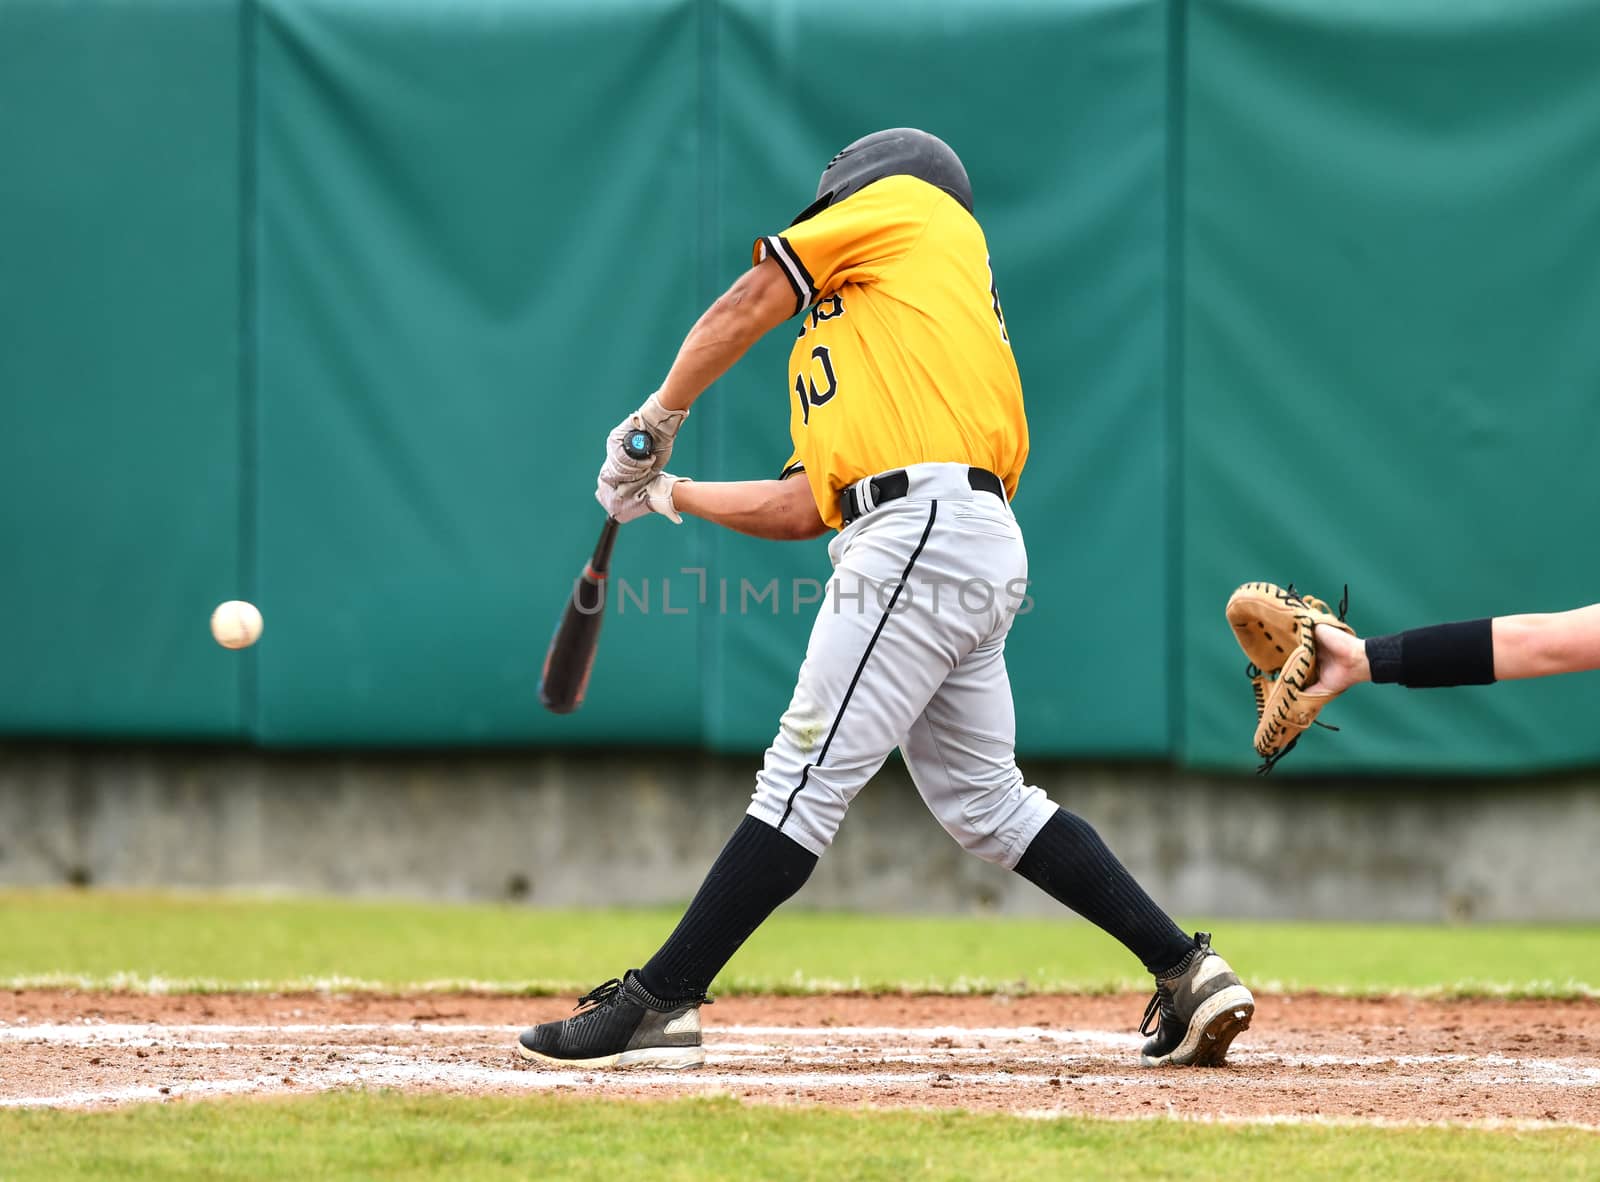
{"x": 806, "y": 390}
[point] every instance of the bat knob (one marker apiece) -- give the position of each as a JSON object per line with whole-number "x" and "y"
{"x": 639, "y": 445}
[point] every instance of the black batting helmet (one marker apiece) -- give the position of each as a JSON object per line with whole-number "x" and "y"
{"x": 900, "y": 151}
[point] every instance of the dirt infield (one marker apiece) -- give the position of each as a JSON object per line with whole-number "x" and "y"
{"x": 1305, "y": 1057}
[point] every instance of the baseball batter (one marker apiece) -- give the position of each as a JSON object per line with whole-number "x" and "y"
{"x": 909, "y": 434}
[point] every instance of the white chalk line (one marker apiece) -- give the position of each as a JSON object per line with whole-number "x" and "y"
{"x": 803, "y": 1040}
{"x": 89, "y": 1027}
{"x": 143, "y": 1092}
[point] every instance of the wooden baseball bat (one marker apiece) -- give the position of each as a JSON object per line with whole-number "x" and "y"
{"x": 570, "y": 658}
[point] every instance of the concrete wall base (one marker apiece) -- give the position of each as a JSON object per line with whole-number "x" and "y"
{"x": 563, "y": 828}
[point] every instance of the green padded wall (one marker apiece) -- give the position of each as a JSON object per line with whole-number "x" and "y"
{"x": 119, "y": 360}
{"x": 327, "y": 303}
{"x": 1058, "y": 112}
{"x": 1391, "y": 303}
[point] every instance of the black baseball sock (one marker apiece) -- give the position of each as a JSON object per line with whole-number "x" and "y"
{"x": 756, "y": 871}
{"x": 1069, "y": 862}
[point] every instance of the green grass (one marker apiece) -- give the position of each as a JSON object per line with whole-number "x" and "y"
{"x": 366, "y": 1135}
{"x": 189, "y": 942}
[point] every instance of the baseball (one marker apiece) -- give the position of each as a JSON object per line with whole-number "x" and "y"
{"x": 236, "y": 624}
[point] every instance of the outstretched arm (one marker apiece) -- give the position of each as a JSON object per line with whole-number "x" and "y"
{"x": 1532, "y": 645}
{"x": 759, "y": 301}
{"x": 1541, "y": 645}
{"x": 779, "y": 510}
{"x": 782, "y": 510}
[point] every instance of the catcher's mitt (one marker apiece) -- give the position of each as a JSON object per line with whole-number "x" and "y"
{"x": 1276, "y": 627}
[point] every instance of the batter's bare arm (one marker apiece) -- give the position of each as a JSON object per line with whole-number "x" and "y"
{"x": 1533, "y": 645}
{"x": 759, "y": 301}
{"x": 779, "y": 510}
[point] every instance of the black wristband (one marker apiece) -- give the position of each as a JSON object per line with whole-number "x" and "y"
{"x": 1434, "y": 657}
{"x": 1383, "y": 657}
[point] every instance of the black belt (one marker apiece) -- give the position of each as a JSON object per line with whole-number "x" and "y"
{"x": 891, "y": 486}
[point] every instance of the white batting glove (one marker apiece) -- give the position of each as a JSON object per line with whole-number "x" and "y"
{"x": 654, "y": 497}
{"x": 620, "y": 470}
{"x": 625, "y": 507}
{"x": 658, "y": 495}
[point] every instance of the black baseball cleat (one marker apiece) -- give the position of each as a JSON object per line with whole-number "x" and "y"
{"x": 1200, "y": 1006}
{"x": 624, "y": 1026}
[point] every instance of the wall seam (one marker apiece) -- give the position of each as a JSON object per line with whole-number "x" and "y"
{"x": 249, "y": 352}
{"x": 711, "y": 439}
{"x": 1177, "y": 47}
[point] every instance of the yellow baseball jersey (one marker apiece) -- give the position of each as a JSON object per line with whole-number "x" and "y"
{"x": 903, "y": 356}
